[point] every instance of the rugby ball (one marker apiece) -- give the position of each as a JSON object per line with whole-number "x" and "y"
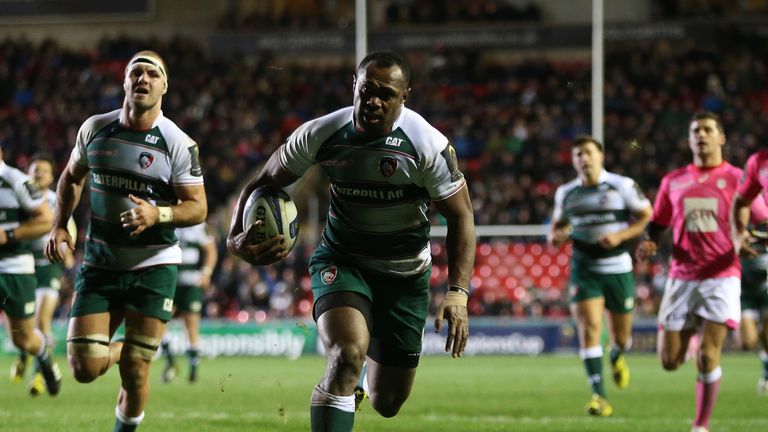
{"x": 274, "y": 207}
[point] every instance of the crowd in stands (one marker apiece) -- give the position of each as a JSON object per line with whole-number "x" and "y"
{"x": 511, "y": 122}
{"x": 258, "y": 15}
{"x": 463, "y": 11}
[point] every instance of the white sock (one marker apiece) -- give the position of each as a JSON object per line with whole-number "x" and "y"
{"x": 711, "y": 376}
{"x": 342, "y": 403}
{"x": 128, "y": 420}
{"x": 42, "y": 342}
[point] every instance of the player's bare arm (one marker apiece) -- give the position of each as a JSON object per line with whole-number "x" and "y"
{"x": 38, "y": 223}
{"x": 647, "y": 247}
{"x": 559, "y": 234}
{"x": 238, "y": 241}
{"x": 192, "y": 209}
{"x": 68, "y": 192}
{"x": 742, "y": 240}
{"x": 460, "y": 244}
{"x": 210, "y": 256}
{"x": 635, "y": 229}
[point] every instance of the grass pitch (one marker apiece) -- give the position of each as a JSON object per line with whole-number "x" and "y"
{"x": 472, "y": 394}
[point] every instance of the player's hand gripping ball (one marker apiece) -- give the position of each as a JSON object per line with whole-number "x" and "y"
{"x": 277, "y": 212}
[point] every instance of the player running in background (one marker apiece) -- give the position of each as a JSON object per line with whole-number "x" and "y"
{"x": 198, "y": 259}
{"x": 145, "y": 180}
{"x": 703, "y": 285}
{"x": 26, "y": 216}
{"x": 48, "y": 274}
{"x": 600, "y": 212}
{"x": 754, "y": 294}
{"x": 370, "y": 273}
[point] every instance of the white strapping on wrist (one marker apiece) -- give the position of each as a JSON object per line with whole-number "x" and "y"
{"x": 459, "y": 289}
{"x": 165, "y": 215}
{"x": 453, "y": 298}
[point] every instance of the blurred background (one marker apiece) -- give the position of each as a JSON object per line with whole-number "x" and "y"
{"x": 508, "y": 81}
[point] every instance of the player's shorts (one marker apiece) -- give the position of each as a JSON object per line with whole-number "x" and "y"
{"x": 685, "y": 301}
{"x": 18, "y": 294}
{"x": 399, "y": 305}
{"x": 48, "y": 276}
{"x": 188, "y": 298}
{"x": 754, "y": 294}
{"x": 617, "y": 289}
{"x": 148, "y": 291}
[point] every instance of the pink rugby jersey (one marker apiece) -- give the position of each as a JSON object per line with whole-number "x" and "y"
{"x": 758, "y": 211}
{"x": 695, "y": 202}
{"x": 756, "y": 176}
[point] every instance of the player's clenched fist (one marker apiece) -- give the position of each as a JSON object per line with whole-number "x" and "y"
{"x": 262, "y": 253}
{"x": 58, "y": 239}
{"x": 645, "y": 250}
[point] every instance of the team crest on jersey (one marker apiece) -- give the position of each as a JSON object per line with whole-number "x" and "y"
{"x": 145, "y": 160}
{"x": 328, "y": 274}
{"x": 388, "y": 166}
{"x": 721, "y": 183}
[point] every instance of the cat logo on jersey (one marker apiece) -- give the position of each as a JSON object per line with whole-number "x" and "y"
{"x": 328, "y": 274}
{"x": 388, "y": 166}
{"x": 145, "y": 160}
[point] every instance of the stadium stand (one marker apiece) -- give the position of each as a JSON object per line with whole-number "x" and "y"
{"x": 511, "y": 120}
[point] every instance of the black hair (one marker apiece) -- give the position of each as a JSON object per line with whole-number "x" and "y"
{"x": 584, "y": 139}
{"x": 387, "y": 59}
{"x": 45, "y": 157}
{"x": 708, "y": 115}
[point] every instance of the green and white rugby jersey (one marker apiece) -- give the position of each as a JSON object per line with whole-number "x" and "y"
{"x": 593, "y": 211}
{"x": 19, "y": 195}
{"x": 147, "y": 164}
{"x": 191, "y": 239}
{"x": 380, "y": 189}
{"x": 38, "y": 244}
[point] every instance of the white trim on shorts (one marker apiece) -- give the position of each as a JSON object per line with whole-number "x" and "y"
{"x": 685, "y": 301}
{"x": 755, "y": 314}
{"x": 46, "y": 292}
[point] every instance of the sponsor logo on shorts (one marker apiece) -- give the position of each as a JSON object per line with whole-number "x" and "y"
{"x": 168, "y": 305}
{"x": 195, "y": 306}
{"x": 328, "y": 274}
{"x": 145, "y": 160}
{"x": 675, "y": 316}
{"x": 629, "y": 303}
{"x": 29, "y": 308}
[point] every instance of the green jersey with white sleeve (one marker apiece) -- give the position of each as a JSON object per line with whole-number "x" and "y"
{"x": 144, "y": 163}
{"x": 593, "y": 211}
{"x": 19, "y": 195}
{"x": 380, "y": 188}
